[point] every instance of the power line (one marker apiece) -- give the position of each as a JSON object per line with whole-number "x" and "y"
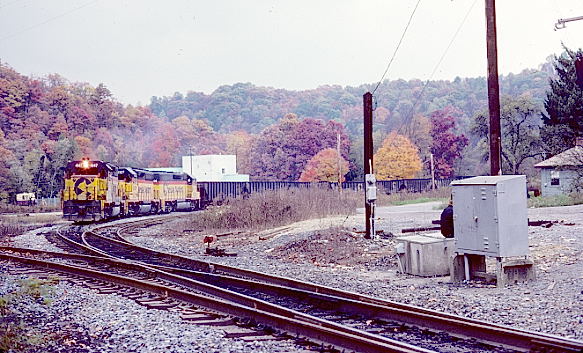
{"x": 8, "y": 4}
{"x": 47, "y": 21}
{"x": 409, "y": 116}
{"x": 398, "y": 45}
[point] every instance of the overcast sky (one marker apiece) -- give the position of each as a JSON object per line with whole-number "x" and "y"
{"x": 140, "y": 49}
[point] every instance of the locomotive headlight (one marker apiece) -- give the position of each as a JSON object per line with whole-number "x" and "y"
{"x": 85, "y": 164}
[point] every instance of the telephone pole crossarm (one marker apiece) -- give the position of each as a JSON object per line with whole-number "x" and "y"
{"x": 562, "y": 21}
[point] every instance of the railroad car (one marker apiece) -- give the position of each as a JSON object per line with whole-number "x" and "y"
{"x": 96, "y": 190}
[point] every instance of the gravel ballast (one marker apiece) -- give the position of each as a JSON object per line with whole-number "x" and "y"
{"x": 551, "y": 304}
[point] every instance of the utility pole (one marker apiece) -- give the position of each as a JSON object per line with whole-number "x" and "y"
{"x": 493, "y": 88}
{"x": 190, "y": 155}
{"x": 432, "y": 173}
{"x": 339, "y": 164}
{"x": 368, "y": 209}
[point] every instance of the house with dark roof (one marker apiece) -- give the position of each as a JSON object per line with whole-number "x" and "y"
{"x": 562, "y": 173}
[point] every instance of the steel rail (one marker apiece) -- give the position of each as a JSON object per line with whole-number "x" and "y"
{"x": 319, "y": 330}
{"x": 413, "y": 315}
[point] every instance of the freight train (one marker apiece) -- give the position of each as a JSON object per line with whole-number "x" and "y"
{"x": 96, "y": 190}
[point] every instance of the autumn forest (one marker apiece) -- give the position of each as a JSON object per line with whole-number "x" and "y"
{"x": 279, "y": 134}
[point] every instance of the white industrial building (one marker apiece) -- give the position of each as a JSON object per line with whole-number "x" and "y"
{"x": 209, "y": 167}
{"x": 213, "y": 167}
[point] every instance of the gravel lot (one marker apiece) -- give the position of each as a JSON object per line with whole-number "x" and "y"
{"x": 342, "y": 259}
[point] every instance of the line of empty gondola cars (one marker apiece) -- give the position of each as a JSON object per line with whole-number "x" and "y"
{"x": 96, "y": 190}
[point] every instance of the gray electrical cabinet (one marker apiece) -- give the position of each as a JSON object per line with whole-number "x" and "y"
{"x": 490, "y": 215}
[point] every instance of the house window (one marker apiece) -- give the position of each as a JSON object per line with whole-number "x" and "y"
{"x": 555, "y": 177}
{"x": 223, "y": 170}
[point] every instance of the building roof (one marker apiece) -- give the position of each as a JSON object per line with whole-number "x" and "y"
{"x": 487, "y": 180}
{"x": 572, "y": 157}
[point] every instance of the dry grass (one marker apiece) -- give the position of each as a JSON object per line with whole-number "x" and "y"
{"x": 274, "y": 208}
{"x": 557, "y": 200}
{"x": 402, "y": 198}
{"x": 11, "y": 225}
{"x": 8, "y": 208}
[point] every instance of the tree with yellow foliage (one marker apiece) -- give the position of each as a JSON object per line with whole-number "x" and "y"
{"x": 396, "y": 159}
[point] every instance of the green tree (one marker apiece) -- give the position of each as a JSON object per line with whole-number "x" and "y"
{"x": 520, "y": 122}
{"x": 563, "y": 105}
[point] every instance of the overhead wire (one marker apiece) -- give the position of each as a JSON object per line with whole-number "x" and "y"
{"x": 409, "y": 116}
{"x": 397, "y": 47}
{"x": 8, "y": 3}
{"x": 10, "y": 35}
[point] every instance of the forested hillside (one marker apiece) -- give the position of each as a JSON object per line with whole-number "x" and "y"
{"x": 244, "y": 106}
{"x": 275, "y": 133}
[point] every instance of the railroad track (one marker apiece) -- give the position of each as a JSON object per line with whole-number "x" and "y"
{"x": 162, "y": 290}
{"x": 431, "y": 329}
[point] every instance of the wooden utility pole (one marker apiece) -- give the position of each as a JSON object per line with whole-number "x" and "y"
{"x": 367, "y": 103}
{"x": 493, "y": 88}
{"x": 339, "y": 162}
{"x": 432, "y": 173}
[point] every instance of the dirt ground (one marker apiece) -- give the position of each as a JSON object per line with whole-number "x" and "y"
{"x": 339, "y": 241}
{"x": 333, "y": 252}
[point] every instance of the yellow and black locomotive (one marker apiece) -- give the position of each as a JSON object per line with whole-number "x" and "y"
{"x": 96, "y": 190}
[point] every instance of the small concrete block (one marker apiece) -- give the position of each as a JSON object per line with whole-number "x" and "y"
{"x": 426, "y": 256}
{"x": 515, "y": 271}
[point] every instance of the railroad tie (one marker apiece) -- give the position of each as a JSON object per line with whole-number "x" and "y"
{"x": 240, "y": 332}
{"x": 258, "y": 338}
{"x": 160, "y": 305}
{"x": 197, "y": 317}
{"x": 217, "y": 322}
{"x": 108, "y": 290}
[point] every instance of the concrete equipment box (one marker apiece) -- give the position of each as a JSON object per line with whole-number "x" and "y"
{"x": 425, "y": 255}
{"x": 490, "y": 215}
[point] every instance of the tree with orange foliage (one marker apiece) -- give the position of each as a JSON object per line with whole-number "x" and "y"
{"x": 396, "y": 159}
{"x": 324, "y": 167}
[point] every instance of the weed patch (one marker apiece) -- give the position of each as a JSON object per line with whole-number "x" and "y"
{"x": 405, "y": 198}
{"x": 9, "y": 208}
{"x": 556, "y": 200}
{"x": 15, "y": 334}
{"x": 274, "y": 208}
{"x": 11, "y": 225}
